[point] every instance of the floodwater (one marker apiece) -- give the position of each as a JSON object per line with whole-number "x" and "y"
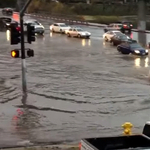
{"x": 77, "y": 88}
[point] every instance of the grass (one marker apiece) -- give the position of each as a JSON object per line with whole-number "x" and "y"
{"x": 102, "y": 19}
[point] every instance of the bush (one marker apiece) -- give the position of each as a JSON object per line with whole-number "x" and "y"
{"x": 106, "y": 19}
{"x": 8, "y": 3}
{"x": 102, "y": 19}
{"x": 82, "y": 8}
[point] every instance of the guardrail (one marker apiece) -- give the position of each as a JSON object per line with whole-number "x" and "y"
{"x": 79, "y": 22}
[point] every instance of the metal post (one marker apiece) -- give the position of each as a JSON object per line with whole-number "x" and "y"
{"x": 142, "y": 21}
{"x": 21, "y": 3}
{"x": 24, "y": 84}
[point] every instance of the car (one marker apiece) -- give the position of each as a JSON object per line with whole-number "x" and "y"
{"x": 59, "y": 27}
{"x": 118, "y": 39}
{"x": 39, "y": 28}
{"x": 132, "y": 48}
{"x": 113, "y": 26}
{"x": 5, "y": 23}
{"x": 123, "y": 27}
{"x": 126, "y": 26}
{"x": 7, "y": 11}
{"x": 77, "y": 32}
{"x": 109, "y": 34}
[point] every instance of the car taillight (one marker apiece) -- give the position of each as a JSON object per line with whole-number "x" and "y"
{"x": 18, "y": 28}
{"x": 80, "y": 146}
{"x": 131, "y": 25}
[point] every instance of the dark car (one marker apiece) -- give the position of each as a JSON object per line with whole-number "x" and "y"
{"x": 126, "y": 26}
{"x": 132, "y": 48}
{"x": 7, "y": 11}
{"x": 5, "y": 23}
{"x": 118, "y": 39}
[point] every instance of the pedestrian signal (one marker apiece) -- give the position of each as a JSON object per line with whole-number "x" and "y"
{"x": 15, "y": 53}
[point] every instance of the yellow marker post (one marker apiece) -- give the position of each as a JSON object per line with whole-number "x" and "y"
{"x": 127, "y": 128}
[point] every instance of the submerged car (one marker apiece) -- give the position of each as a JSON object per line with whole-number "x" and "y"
{"x": 108, "y": 35}
{"x": 39, "y": 28}
{"x": 132, "y": 48}
{"x": 118, "y": 39}
{"x": 59, "y": 27}
{"x": 77, "y": 32}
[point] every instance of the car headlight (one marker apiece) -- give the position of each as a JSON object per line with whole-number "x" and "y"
{"x": 82, "y": 33}
{"x": 146, "y": 50}
{"x": 50, "y": 27}
{"x": 137, "y": 51}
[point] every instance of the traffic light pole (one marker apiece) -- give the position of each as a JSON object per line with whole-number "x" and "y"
{"x": 24, "y": 82}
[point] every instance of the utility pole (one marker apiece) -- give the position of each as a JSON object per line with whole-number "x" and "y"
{"x": 21, "y": 4}
{"x": 24, "y": 82}
{"x": 17, "y": 36}
{"x": 142, "y": 22}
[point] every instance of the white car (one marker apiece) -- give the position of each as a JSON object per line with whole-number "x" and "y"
{"x": 77, "y": 32}
{"x": 39, "y": 28}
{"x": 59, "y": 27}
{"x": 109, "y": 34}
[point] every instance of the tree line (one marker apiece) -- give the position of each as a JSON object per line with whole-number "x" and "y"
{"x": 8, "y": 3}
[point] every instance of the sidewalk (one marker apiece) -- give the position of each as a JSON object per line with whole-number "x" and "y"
{"x": 47, "y": 147}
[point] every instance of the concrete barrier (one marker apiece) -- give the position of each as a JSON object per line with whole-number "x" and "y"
{"x": 67, "y": 20}
{"x": 79, "y": 22}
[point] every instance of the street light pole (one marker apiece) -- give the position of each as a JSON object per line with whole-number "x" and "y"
{"x": 142, "y": 22}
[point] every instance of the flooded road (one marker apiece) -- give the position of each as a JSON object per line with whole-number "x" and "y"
{"x": 77, "y": 88}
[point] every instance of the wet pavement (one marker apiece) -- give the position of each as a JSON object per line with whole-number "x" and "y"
{"x": 77, "y": 88}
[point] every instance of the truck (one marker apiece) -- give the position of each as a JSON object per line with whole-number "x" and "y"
{"x": 128, "y": 141}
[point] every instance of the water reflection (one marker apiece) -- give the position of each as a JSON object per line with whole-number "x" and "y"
{"x": 140, "y": 62}
{"x": 86, "y": 42}
{"x": 40, "y": 37}
{"x": 51, "y": 34}
{"x": 137, "y": 62}
{"x": 8, "y": 35}
{"x": 25, "y": 121}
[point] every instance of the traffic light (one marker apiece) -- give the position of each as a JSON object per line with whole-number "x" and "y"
{"x": 15, "y": 53}
{"x": 14, "y": 35}
{"x": 30, "y": 33}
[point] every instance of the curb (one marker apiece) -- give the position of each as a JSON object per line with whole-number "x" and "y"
{"x": 45, "y": 147}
